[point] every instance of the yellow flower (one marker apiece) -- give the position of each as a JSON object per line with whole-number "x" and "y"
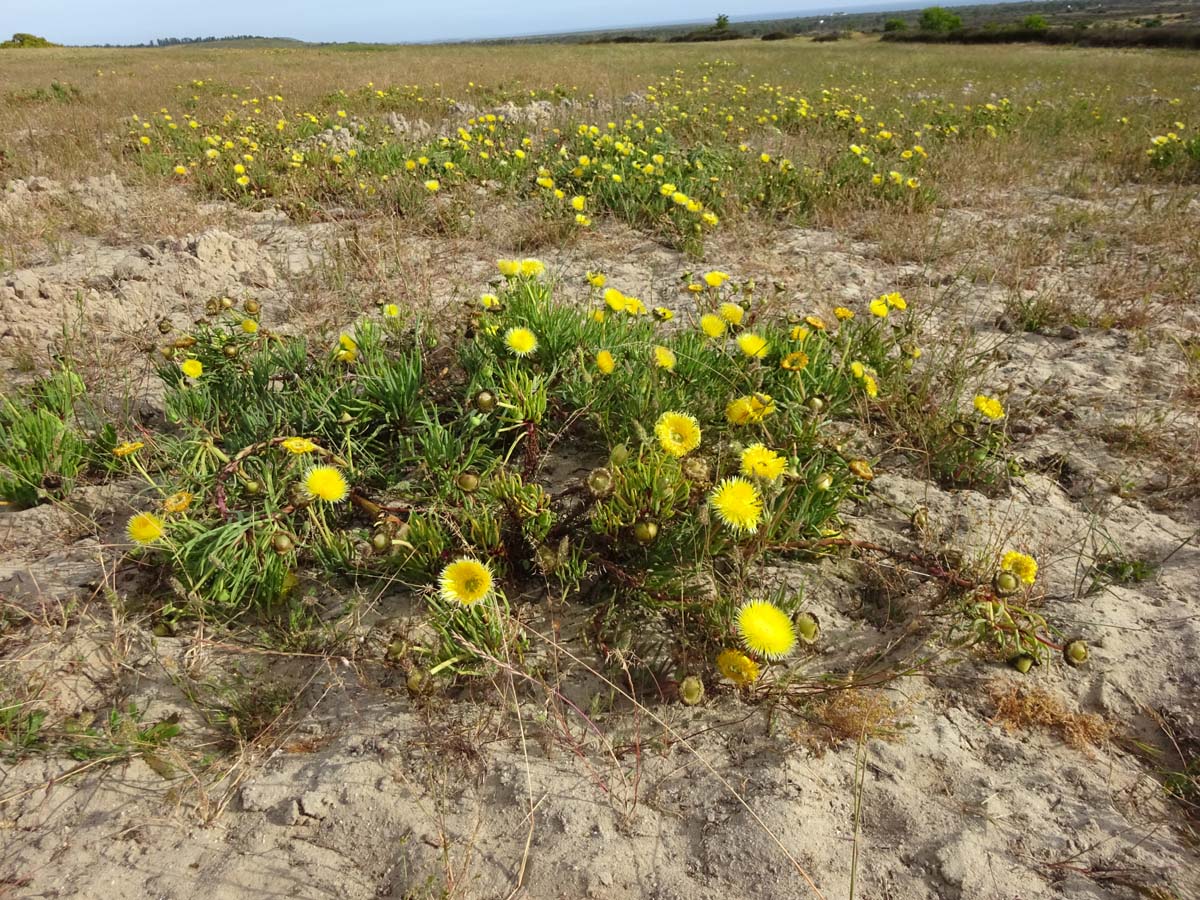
{"x": 634, "y": 306}
{"x": 758, "y": 461}
{"x": 326, "y": 483}
{"x": 298, "y": 445}
{"x": 578, "y": 203}
{"x": 732, "y": 313}
{"x": 879, "y": 308}
{"x": 127, "y": 448}
{"x": 1023, "y": 566}
{"x": 861, "y": 469}
{"x": 737, "y": 667}
{"x": 871, "y": 387}
{"x": 532, "y": 268}
{"x": 895, "y": 301}
{"x": 596, "y": 279}
{"x": 349, "y": 348}
{"x": 765, "y": 629}
{"x": 737, "y": 504}
{"x": 144, "y": 528}
{"x": 857, "y": 369}
{"x": 508, "y": 267}
{"x": 842, "y": 313}
{"x": 239, "y": 169}
{"x": 715, "y": 279}
{"x": 713, "y": 326}
{"x": 177, "y": 502}
{"x": 466, "y": 581}
{"x": 677, "y": 433}
{"x": 181, "y": 170}
{"x": 615, "y": 300}
{"x": 663, "y": 314}
{"x": 249, "y": 326}
{"x": 799, "y": 333}
{"x": 192, "y": 368}
{"x": 521, "y": 341}
{"x": 795, "y": 361}
{"x": 391, "y": 310}
{"x": 989, "y": 407}
{"x": 816, "y": 322}
{"x": 752, "y": 345}
{"x": 664, "y": 358}
{"x": 432, "y": 185}
{"x": 244, "y": 180}
{"x": 605, "y": 362}
{"x": 748, "y": 409}
{"x": 489, "y": 301}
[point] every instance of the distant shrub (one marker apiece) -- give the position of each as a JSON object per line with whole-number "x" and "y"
{"x": 893, "y": 25}
{"x": 20, "y": 40}
{"x": 827, "y": 36}
{"x": 1035, "y": 23}
{"x": 777, "y": 36}
{"x": 939, "y": 20}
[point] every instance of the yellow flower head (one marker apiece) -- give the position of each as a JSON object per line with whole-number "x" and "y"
{"x": 489, "y": 301}
{"x": 737, "y": 667}
{"x": 895, "y": 301}
{"x": 177, "y": 502}
{"x": 192, "y": 368}
{"x": 677, "y": 433}
{"x": 532, "y": 268}
{"x": 663, "y": 314}
{"x": 842, "y": 313}
{"x": 664, "y": 358}
{"x": 870, "y": 386}
{"x": 795, "y": 361}
{"x": 860, "y": 468}
{"x": 879, "y": 307}
{"x": 520, "y": 341}
{"x": 615, "y": 300}
{"x": 433, "y": 185}
{"x": 181, "y": 170}
{"x": 989, "y": 407}
{"x": 765, "y": 629}
{"x": 1022, "y": 565}
{"x": 758, "y": 461}
{"x": 391, "y": 311}
{"x": 578, "y": 203}
{"x": 128, "y": 448}
{"x": 249, "y": 326}
{"x": 466, "y": 581}
{"x": 753, "y": 345}
{"x": 713, "y": 326}
{"x": 605, "y": 362}
{"x": 144, "y": 528}
{"x": 326, "y": 483}
{"x": 298, "y": 445}
{"x": 752, "y": 408}
{"x": 737, "y": 504}
{"x": 715, "y": 279}
{"x": 634, "y": 307}
{"x": 509, "y": 267}
{"x": 815, "y": 322}
{"x": 596, "y": 279}
{"x": 732, "y": 313}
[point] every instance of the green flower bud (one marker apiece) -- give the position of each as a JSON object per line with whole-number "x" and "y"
{"x": 824, "y": 482}
{"x": 815, "y": 404}
{"x": 645, "y": 532}
{"x": 252, "y": 307}
{"x": 1023, "y": 662}
{"x": 691, "y": 691}
{"x": 1076, "y": 652}
{"x": 618, "y": 455}
{"x": 808, "y": 627}
{"x": 1005, "y": 584}
{"x": 380, "y": 541}
{"x": 230, "y": 351}
{"x": 485, "y": 401}
{"x": 468, "y": 482}
{"x": 282, "y": 544}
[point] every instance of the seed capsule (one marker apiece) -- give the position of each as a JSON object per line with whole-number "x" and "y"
{"x": 920, "y": 518}
{"x": 1005, "y": 584}
{"x": 1076, "y": 652}
{"x": 212, "y": 306}
{"x": 282, "y": 544}
{"x": 691, "y": 691}
{"x": 252, "y": 307}
{"x": 380, "y": 541}
{"x": 164, "y": 326}
{"x": 696, "y": 469}
{"x": 252, "y": 487}
{"x": 645, "y": 532}
{"x": 618, "y": 454}
{"x": 824, "y": 482}
{"x": 467, "y": 482}
{"x": 226, "y": 303}
{"x": 600, "y": 482}
{"x": 230, "y": 351}
{"x": 485, "y": 401}
{"x": 815, "y": 404}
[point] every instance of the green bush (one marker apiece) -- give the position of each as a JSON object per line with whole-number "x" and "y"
{"x": 939, "y": 19}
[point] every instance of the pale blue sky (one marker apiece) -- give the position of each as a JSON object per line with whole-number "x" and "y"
{"x": 136, "y": 21}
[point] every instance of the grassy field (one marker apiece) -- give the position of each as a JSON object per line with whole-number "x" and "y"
{"x": 417, "y": 461}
